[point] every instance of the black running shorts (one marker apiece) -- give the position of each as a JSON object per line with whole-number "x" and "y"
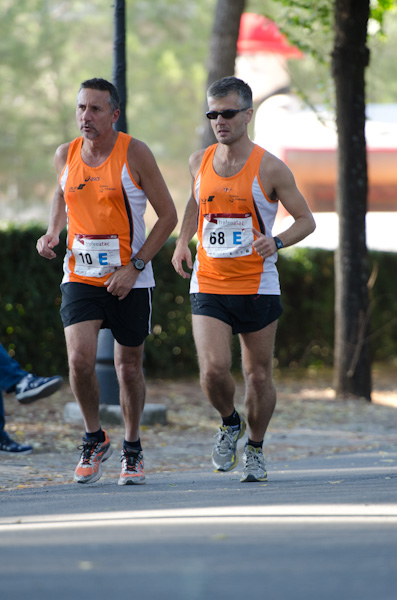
{"x": 244, "y": 313}
{"x": 128, "y": 319}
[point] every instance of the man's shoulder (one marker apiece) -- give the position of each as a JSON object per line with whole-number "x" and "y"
{"x": 197, "y": 155}
{"x": 271, "y": 161}
{"x": 138, "y": 151}
{"x": 63, "y": 149}
{"x": 61, "y": 155}
{"x": 273, "y": 171}
{"x": 195, "y": 160}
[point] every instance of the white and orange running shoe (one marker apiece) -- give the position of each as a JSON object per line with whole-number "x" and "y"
{"x": 93, "y": 454}
{"x": 132, "y": 469}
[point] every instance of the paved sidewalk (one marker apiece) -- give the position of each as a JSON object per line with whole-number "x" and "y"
{"x": 308, "y": 422}
{"x": 324, "y": 526}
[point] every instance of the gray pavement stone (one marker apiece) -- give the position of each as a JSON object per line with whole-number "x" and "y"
{"x": 110, "y": 414}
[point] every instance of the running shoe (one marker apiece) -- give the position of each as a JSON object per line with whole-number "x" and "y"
{"x": 224, "y": 455}
{"x": 31, "y": 387}
{"x": 132, "y": 469}
{"x": 10, "y": 446}
{"x": 254, "y": 465}
{"x": 93, "y": 453}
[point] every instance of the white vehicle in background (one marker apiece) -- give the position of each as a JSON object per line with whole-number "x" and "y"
{"x": 306, "y": 140}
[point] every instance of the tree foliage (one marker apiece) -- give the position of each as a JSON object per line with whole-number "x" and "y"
{"x": 49, "y": 47}
{"x": 310, "y": 26}
{"x": 46, "y": 48}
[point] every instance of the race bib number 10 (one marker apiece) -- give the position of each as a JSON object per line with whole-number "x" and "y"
{"x": 227, "y": 235}
{"x": 96, "y": 255}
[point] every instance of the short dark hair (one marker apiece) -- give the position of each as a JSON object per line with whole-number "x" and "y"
{"x": 104, "y": 86}
{"x": 227, "y": 85}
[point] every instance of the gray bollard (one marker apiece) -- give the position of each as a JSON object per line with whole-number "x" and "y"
{"x": 104, "y": 368}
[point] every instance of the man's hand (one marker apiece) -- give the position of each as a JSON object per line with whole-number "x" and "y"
{"x": 182, "y": 253}
{"x": 45, "y": 245}
{"x": 121, "y": 282}
{"x": 265, "y": 246}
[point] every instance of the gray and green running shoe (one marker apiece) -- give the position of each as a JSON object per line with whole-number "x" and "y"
{"x": 224, "y": 455}
{"x": 254, "y": 465}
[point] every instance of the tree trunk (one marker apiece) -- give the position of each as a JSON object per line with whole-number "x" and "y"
{"x": 223, "y": 50}
{"x": 349, "y": 60}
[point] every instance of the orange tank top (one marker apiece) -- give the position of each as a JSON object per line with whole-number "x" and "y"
{"x": 105, "y": 209}
{"x": 228, "y": 208}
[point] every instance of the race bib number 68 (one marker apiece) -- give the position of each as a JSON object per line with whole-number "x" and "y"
{"x": 227, "y": 235}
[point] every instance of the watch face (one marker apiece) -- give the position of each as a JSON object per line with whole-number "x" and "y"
{"x": 138, "y": 264}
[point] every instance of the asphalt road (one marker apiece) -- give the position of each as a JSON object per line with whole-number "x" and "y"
{"x": 322, "y": 528}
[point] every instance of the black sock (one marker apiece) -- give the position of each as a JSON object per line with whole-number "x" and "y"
{"x": 97, "y": 436}
{"x": 255, "y": 444}
{"x": 232, "y": 421}
{"x": 133, "y": 446}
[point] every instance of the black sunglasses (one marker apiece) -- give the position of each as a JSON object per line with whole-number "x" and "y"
{"x": 229, "y": 113}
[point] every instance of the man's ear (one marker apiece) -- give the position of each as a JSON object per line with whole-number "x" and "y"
{"x": 116, "y": 115}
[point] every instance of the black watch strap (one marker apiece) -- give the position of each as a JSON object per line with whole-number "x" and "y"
{"x": 279, "y": 243}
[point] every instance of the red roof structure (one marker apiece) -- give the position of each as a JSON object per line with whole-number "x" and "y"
{"x": 259, "y": 34}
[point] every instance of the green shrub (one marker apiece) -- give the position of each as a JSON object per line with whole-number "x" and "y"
{"x": 383, "y": 304}
{"x": 30, "y": 325}
{"x": 31, "y": 328}
{"x": 169, "y": 349}
{"x": 306, "y": 328}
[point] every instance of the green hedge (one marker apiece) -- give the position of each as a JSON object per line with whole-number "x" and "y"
{"x": 30, "y": 326}
{"x": 31, "y": 329}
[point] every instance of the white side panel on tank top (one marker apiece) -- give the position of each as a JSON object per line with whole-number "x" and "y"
{"x": 137, "y": 201}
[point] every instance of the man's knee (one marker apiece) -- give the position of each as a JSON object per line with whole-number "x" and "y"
{"x": 259, "y": 377}
{"x": 129, "y": 371}
{"x": 80, "y": 363}
{"x": 213, "y": 371}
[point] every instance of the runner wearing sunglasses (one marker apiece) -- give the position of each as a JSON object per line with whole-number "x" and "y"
{"x": 236, "y": 190}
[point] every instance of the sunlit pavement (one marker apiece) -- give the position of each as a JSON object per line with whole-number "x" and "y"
{"x": 324, "y": 527}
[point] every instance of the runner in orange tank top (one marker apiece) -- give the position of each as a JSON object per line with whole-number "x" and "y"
{"x": 104, "y": 180}
{"x": 236, "y": 189}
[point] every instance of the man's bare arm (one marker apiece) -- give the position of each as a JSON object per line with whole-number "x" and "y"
{"x": 283, "y": 183}
{"x": 146, "y": 173}
{"x": 57, "y": 221}
{"x": 189, "y": 224}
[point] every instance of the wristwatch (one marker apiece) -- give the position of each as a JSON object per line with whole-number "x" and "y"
{"x": 279, "y": 243}
{"x": 138, "y": 263}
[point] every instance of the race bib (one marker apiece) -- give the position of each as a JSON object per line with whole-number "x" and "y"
{"x": 96, "y": 255}
{"x": 227, "y": 235}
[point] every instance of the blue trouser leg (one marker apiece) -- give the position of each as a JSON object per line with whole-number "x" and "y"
{"x": 2, "y": 416}
{"x": 10, "y": 373}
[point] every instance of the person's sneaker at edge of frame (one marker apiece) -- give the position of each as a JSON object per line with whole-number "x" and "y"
{"x": 224, "y": 454}
{"x": 132, "y": 468}
{"x": 31, "y": 387}
{"x": 10, "y": 446}
{"x": 93, "y": 453}
{"x": 254, "y": 465}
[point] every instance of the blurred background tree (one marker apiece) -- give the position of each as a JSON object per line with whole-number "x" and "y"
{"x": 48, "y": 47}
